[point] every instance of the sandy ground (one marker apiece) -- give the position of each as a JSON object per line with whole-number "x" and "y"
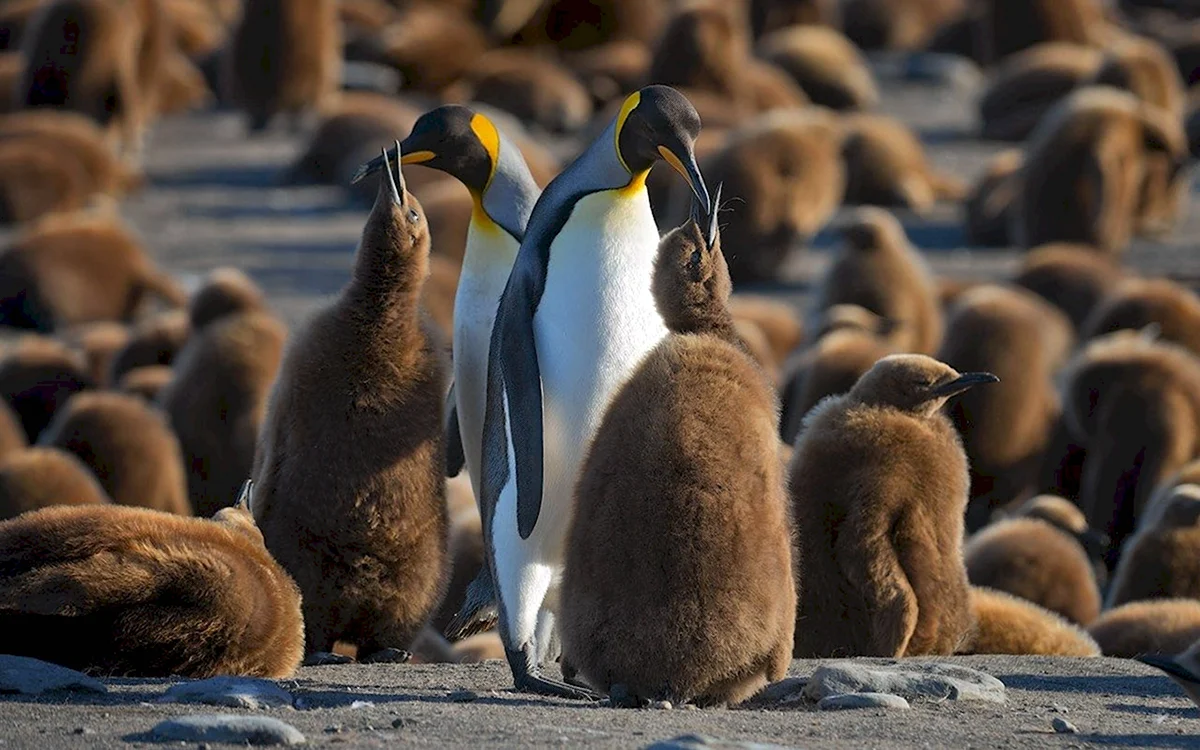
{"x": 214, "y": 200}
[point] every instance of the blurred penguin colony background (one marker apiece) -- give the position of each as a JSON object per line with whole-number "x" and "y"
{"x": 122, "y": 387}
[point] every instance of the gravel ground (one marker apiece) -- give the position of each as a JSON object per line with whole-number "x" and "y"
{"x": 214, "y": 200}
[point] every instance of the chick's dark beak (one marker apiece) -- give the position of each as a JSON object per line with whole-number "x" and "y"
{"x": 683, "y": 160}
{"x": 705, "y": 216}
{"x": 395, "y": 180}
{"x": 964, "y": 382}
{"x": 406, "y": 151}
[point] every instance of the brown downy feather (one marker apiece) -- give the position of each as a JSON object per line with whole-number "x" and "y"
{"x": 878, "y": 269}
{"x": 897, "y": 24}
{"x": 35, "y": 181}
{"x": 879, "y": 486}
{"x": 1005, "y": 624}
{"x": 683, "y": 476}
{"x": 152, "y": 341}
{"x": 531, "y": 87}
{"x": 285, "y": 56}
{"x": 146, "y": 382}
{"x": 226, "y": 291}
{"x": 35, "y": 478}
{"x": 78, "y": 268}
{"x": 15, "y": 17}
{"x": 1038, "y": 562}
{"x": 886, "y": 165}
{"x": 1158, "y": 626}
{"x": 1010, "y": 26}
{"x": 1162, "y": 559}
{"x": 988, "y": 205}
{"x": 432, "y": 46}
{"x": 37, "y": 377}
{"x": 134, "y": 592}
{"x": 784, "y": 179}
{"x": 1073, "y": 278}
{"x": 1136, "y": 303}
{"x": 363, "y": 387}
{"x": 573, "y": 25}
{"x": 129, "y": 447}
{"x": 75, "y": 136}
{"x": 779, "y": 322}
{"x": 216, "y": 403}
{"x": 612, "y": 71}
{"x": 99, "y": 343}
{"x": 1027, "y": 85}
{"x": 769, "y": 15}
{"x": 12, "y": 434}
{"x": 1023, "y": 340}
{"x": 1088, "y": 155}
{"x": 830, "y": 70}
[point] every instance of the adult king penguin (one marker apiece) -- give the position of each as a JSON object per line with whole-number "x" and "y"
{"x": 575, "y": 320}
{"x": 467, "y": 146}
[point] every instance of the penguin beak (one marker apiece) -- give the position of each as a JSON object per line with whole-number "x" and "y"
{"x": 243, "y": 501}
{"x": 964, "y": 382}
{"x": 396, "y": 181}
{"x": 706, "y": 216}
{"x": 405, "y": 151}
{"x": 688, "y": 169}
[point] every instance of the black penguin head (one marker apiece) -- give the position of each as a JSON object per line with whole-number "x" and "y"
{"x": 655, "y": 123}
{"x": 453, "y": 139}
{"x": 915, "y": 383}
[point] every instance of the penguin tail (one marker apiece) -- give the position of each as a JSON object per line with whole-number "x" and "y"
{"x": 478, "y": 612}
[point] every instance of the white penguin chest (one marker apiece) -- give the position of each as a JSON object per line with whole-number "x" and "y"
{"x": 595, "y": 323}
{"x": 488, "y": 261}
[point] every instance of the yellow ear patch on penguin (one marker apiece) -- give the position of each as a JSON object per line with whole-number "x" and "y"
{"x": 489, "y": 137}
{"x": 630, "y": 103}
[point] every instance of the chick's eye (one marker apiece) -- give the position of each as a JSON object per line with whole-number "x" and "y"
{"x": 412, "y": 214}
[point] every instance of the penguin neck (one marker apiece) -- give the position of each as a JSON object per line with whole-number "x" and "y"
{"x": 389, "y": 271}
{"x": 708, "y": 321}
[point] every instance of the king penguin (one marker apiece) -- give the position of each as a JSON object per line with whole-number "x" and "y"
{"x": 467, "y": 146}
{"x": 576, "y": 318}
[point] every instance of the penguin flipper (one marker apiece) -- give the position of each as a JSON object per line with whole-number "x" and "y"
{"x": 478, "y": 611}
{"x": 455, "y": 455}
{"x": 870, "y": 564}
{"x": 523, "y": 391}
{"x": 1168, "y": 665}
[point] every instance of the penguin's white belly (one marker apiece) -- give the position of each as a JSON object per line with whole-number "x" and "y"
{"x": 486, "y": 266}
{"x": 594, "y": 325}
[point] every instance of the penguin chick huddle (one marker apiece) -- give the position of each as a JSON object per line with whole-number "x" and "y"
{"x": 532, "y": 426}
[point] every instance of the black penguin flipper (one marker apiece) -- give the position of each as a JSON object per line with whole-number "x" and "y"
{"x": 478, "y": 611}
{"x": 1168, "y": 665}
{"x": 455, "y": 455}
{"x": 523, "y": 390}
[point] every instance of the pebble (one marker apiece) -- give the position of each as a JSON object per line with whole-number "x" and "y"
{"x": 936, "y": 681}
{"x": 20, "y": 674}
{"x": 463, "y": 696}
{"x": 228, "y": 728}
{"x": 861, "y": 700}
{"x": 236, "y": 692}
{"x": 402, "y": 723}
{"x": 662, "y": 705}
{"x": 1062, "y": 726}
{"x": 704, "y": 742}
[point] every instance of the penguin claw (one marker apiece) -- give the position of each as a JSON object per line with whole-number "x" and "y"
{"x": 535, "y": 682}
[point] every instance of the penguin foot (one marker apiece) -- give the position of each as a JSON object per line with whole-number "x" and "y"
{"x": 535, "y": 682}
{"x": 620, "y": 697}
{"x": 387, "y": 656}
{"x": 325, "y": 658}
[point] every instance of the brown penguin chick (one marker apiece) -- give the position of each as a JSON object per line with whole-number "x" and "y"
{"x": 1027, "y": 84}
{"x": 830, "y": 367}
{"x": 1088, "y": 155}
{"x": 1134, "y": 404}
{"x": 465, "y": 548}
{"x": 285, "y": 56}
{"x": 226, "y": 291}
{"x": 195, "y": 26}
{"x": 1024, "y": 341}
{"x": 12, "y": 69}
{"x": 572, "y": 25}
{"x": 769, "y": 15}
{"x": 611, "y": 71}
{"x": 1162, "y": 559}
{"x": 826, "y": 65}
{"x": 478, "y": 648}
{"x": 183, "y": 87}
{"x": 35, "y": 182}
{"x": 1156, "y": 626}
{"x": 35, "y": 478}
{"x": 15, "y": 17}
{"x": 1006, "y": 624}
{"x": 886, "y": 165}
{"x": 379, "y": 367}
{"x": 135, "y": 592}
{"x": 12, "y": 434}
{"x": 146, "y": 382}
{"x": 1034, "y": 560}
{"x": 216, "y": 402}
{"x": 153, "y": 341}
{"x": 1010, "y": 26}
{"x": 897, "y": 24}
{"x": 987, "y": 207}
{"x": 1136, "y": 303}
{"x": 699, "y": 498}
{"x": 127, "y": 445}
{"x": 99, "y": 343}
{"x": 877, "y": 268}
{"x": 37, "y": 377}
{"x": 437, "y": 297}
{"x": 784, "y": 178}
{"x": 76, "y": 138}
{"x": 780, "y": 324}
{"x": 78, "y": 268}
{"x": 532, "y": 87}
{"x": 82, "y": 56}
{"x": 1068, "y": 518}
{"x": 431, "y": 45}
{"x": 1073, "y": 278}
{"x": 356, "y": 126}
{"x": 879, "y": 486}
